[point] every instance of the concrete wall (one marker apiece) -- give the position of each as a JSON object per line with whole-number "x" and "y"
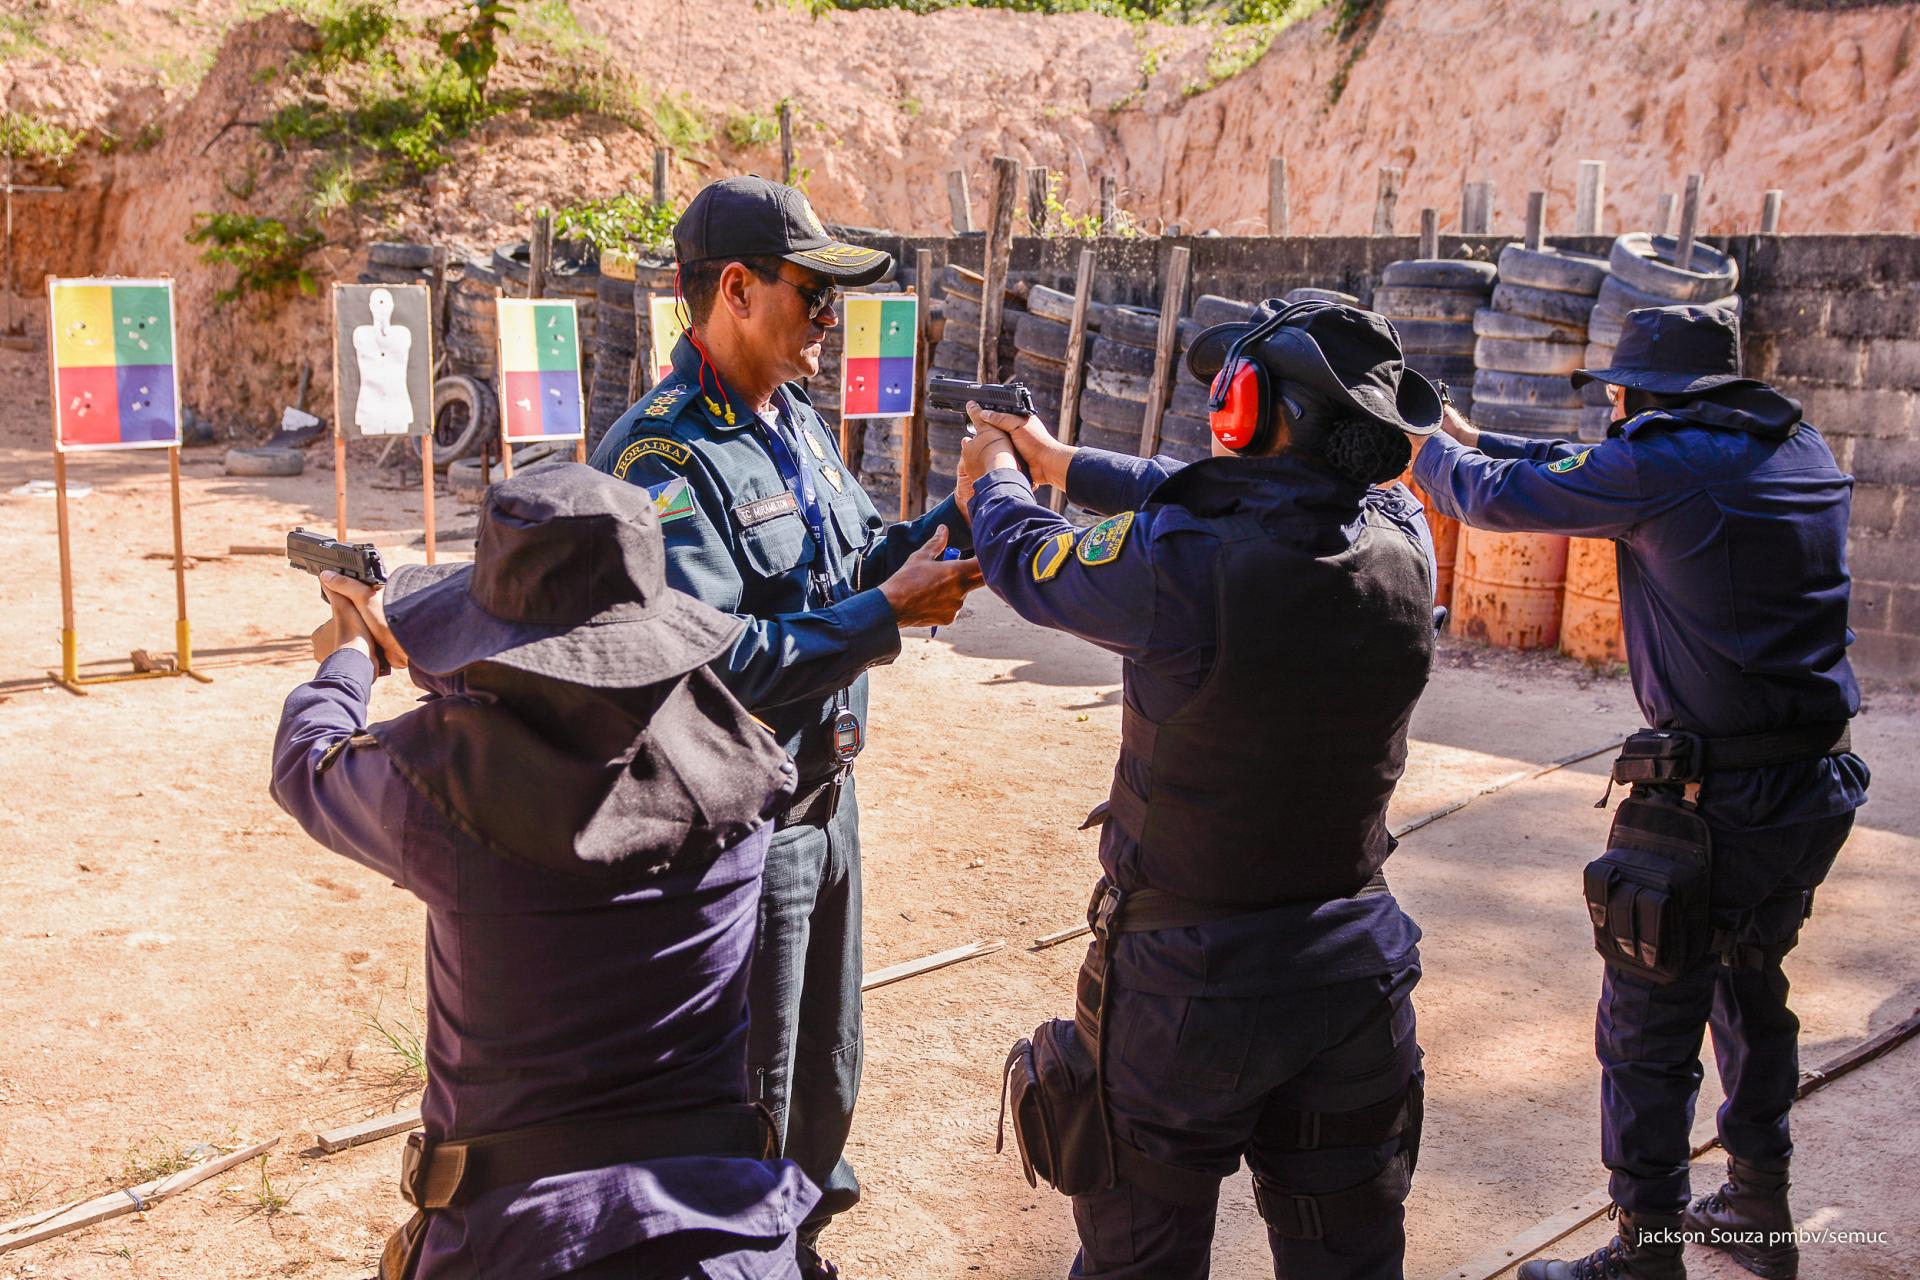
{"x": 1833, "y": 321}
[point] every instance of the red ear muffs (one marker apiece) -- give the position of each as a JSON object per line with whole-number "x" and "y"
{"x": 1238, "y": 404}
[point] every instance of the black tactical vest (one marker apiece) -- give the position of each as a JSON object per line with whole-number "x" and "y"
{"x": 1271, "y": 785}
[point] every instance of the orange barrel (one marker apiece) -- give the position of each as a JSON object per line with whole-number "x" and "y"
{"x": 1590, "y": 622}
{"x": 1507, "y": 588}
{"x": 1446, "y": 541}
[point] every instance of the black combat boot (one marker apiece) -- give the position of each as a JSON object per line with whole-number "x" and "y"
{"x": 1626, "y": 1256}
{"x": 1749, "y": 1218}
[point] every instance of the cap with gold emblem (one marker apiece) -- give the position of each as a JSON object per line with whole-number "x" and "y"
{"x": 752, "y": 218}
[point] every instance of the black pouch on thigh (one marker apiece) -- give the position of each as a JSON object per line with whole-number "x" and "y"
{"x": 1059, "y": 1123}
{"x": 1648, "y": 895}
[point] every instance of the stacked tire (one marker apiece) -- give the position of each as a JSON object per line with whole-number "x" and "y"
{"x": 1040, "y": 346}
{"x": 473, "y": 320}
{"x": 1643, "y": 274}
{"x": 1113, "y": 399}
{"x": 1532, "y": 336}
{"x": 957, "y": 355}
{"x": 391, "y": 262}
{"x": 613, "y": 349}
{"x": 1432, "y": 303}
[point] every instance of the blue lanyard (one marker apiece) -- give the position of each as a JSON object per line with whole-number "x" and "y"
{"x": 799, "y": 481}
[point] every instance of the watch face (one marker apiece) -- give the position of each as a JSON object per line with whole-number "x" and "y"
{"x": 846, "y": 736}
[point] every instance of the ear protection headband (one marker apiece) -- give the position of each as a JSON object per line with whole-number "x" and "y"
{"x": 1239, "y": 403}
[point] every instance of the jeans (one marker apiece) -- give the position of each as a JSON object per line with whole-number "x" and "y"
{"x": 803, "y": 1001}
{"x": 1193, "y": 1081}
{"x": 1648, "y": 1035}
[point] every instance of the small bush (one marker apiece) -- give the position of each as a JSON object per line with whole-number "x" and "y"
{"x": 29, "y": 137}
{"x": 622, "y": 222}
{"x": 265, "y": 253}
{"x": 751, "y": 129}
{"x": 679, "y": 123}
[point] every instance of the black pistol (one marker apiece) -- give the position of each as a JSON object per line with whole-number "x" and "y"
{"x": 1000, "y": 397}
{"x": 357, "y": 560}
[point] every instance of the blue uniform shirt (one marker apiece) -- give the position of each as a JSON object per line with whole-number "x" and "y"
{"x": 739, "y": 538}
{"x": 550, "y": 998}
{"x": 1732, "y": 550}
{"x": 1153, "y": 604}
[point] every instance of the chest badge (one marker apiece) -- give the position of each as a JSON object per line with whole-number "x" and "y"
{"x": 832, "y": 476}
{"x": 1565, "y": 465}
{"x": 1102, "y": 543}
{"x": 813, "y": 443}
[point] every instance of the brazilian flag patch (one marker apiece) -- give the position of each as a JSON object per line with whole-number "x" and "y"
{"x": 1051, "y": 555}
{"x": 1574, "y": 463}
{"x": 1101, "y": 544}
{"x": 672, "y": 499}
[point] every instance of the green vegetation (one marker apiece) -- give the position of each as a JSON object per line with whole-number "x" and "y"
{"x": 679, "y": 123}
{"x": 29, "y": 137}
{"x": 623, "y": 222}
{"x": 147, "y": 1161}
{"x": 751, "y": 129}
{"x": 266, "y": 254}
{"x": 1062, "y": 219}
{"x": 473, "y": 46}
{"x": 405, "y": 1041}
{"x": 268, "y": 1200}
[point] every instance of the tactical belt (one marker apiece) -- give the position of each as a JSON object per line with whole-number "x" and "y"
{"x": 1668, "y": 756}
{"x": 445, "y": 1175}
{"x": 815, "y": 804}
{"x": 1112, "y": 912}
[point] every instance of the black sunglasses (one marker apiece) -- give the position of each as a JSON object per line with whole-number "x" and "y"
{"x": 818, "y": 299}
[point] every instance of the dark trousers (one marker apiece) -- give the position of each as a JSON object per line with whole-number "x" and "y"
{"x": 1648, "y": 1035}
{"x": 1194, "y": 1081}
{"x": 803, "y": 1001}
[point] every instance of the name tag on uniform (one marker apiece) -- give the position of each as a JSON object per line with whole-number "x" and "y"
{"x": 761, "y": 510}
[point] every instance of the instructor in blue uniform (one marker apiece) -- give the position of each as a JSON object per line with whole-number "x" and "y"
{"x": 1729, "y": 519}
{"x": 764, "y": 521}
{"x": 1248, "y": 990}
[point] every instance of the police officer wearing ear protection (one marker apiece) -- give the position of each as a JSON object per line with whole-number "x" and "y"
{"x": 1248, "y": 992}
{"x": 1729, "y": 517}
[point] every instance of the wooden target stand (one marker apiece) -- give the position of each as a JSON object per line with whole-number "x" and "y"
{"x": 69, "y": 677}
{"x": 426, "y": 435}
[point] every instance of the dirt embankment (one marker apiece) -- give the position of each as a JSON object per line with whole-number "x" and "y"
{"x": 1753, "y": 95}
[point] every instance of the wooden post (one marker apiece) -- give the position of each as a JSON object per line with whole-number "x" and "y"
{"x": 1429, "y": 233}
{"x": 659, "y": 175}
{"x": 1278, "y": 218}
{"x": 1388, "y": 197}
{"x": 1590, "y": 199}
{"x": 1069, "y": 424}
{"x": 540, "y": 254}
{"x": 1173, "y": 299}
{"x": 1663, "y": 217}
{"x": 1037, "y": 183}
{"x": 993, "y": 293}
{"x": 1770, "y": 212}
{"x": 1109, "y": 205}
{"x": 1689, "y": 224}
{"x": 786, "y": 143}
{"x": 913, "y": 440}
{"x": 69, "y": 642}
{"x": 1536, "y": 219}
{"x": 958, "y": 202}
{"x": 426, "y": 490}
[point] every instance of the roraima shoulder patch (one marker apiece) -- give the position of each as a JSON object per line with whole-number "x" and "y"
{"x": 1574, "y": 463}
{"x": 653, "y": 446}
{"x": 1102, "y": 543}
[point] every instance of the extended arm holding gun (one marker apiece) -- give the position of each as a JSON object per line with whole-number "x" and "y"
{"x": 357, "y": 560}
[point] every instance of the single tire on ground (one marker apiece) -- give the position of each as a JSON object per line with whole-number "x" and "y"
{"x": 1488, "y": 323}
{"x": 1528, "y": 419}
{"x": 1406, "y": 303}
{"x": 1554, "y": 269}
{"x": 1545, "y": 358}
{"x": 464, "y": 414}
{"x": 1440, "y": 273}
{"x": 1210, "y": 309}
{"x": 1118, "y": 357}
{"x": 1133, "y": 326}
{"x": 1435, "y": 337}
{"x": 1497, "y": 386}
{"x": 267, "y": 460}
{"x": 1568, "y": 310}
{"x": 1646, "y": 263}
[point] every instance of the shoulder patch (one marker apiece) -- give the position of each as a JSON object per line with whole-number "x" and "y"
{"x": 1102, "y": 543}
{"x": 672, "y": 499}
{"x": 653, "y": 446}
{"x": 1573, "y": 463}
{"x": 1051, "y": 555}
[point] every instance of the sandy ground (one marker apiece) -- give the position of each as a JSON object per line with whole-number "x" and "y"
{"x": 180, "y": 965}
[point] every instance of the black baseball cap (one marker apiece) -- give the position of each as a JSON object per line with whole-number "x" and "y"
{"x": 752, "y": 218}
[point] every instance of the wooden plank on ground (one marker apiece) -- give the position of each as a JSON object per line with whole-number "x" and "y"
{"x": 352, "y": 1135}
{"x": 118, "y": 1204}
{"x": 927, "y": 964}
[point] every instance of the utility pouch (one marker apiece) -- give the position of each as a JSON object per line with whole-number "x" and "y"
{"x": 1660, "y": 757}
{"x": 1648, "y": 895}
{"x": 1059, "y": 1121}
